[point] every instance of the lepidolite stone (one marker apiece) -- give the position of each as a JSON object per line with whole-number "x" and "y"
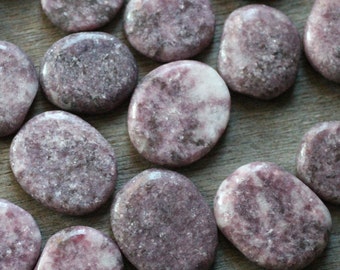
{"x": 18, "y": 87}
{"x": 161, "y": 221}
{"x": 89, "y": 72}
{"x": 272, "y": 217}
{"x": 63, "y": 162}
{"x": 178, "y": 112}
{"x": 322, "y": 38}
{"x": 169, "y": 30}
{"x": 259, "y": 52}
{"x": 20, "y": 238}
{"x": 80, "y": 248}
{"x": 318, "y": 160}
{"x": 80, "y": 15}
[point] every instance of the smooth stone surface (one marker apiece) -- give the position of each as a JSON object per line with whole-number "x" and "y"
{"x": 322, "y": 38}
{"x": 64, "y": 163}
{"x": 80, "y": 15}
{"x": 169, "y": 30}
{"x": 18, "y": 87}
{"x": 80, "y": 248}
{"x": 259, "y": 52}
{"x": 20, "y": 238}
{"x": 160, "y": 220}
{"x": 178, "y": 112}
{"x": 273, "y": 218}
{"x": 89, "y": 72}
{"x": 318, "y": 160}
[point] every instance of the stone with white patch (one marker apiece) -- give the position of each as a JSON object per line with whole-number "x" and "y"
{"x": 18, "y": 87}
{"x": 80, "y": 248}
{"x": 259, "y": 52}
{"x": 160, "y": 220}
{"x": 178, "y": 112}
{"x": 80, "y": 15}
{"x": 64, "y": 163}
{"x": 322, "y": 38}
{"x": 20, "y": 237}
{"x": 272, "y": 217}
{"x": 89, "y": 72}
{"x": 169, "y": 30}
{"x": 318, "y": 160}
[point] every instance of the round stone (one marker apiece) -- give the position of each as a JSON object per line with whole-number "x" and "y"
{"x": 63, "y": 162}
{"x": 169, "y": 30}
{"x": 318, "y": 160}
{"x": 322, "y": 38}
{"x": 272, "y": 217}
{"x": 80, "y": 247}
{"x": 161, "y": 221}
{"x": 18, "y": 87}
{"x": 20, "y": 237}
{"x": 80, "y": 15}
{"x": 90, "y": 73}
{"x": 178, "y": 113}
{"x": 259, "y": 52}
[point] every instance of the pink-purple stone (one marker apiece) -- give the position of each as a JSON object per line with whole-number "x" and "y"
{"x": 178, "y": 112}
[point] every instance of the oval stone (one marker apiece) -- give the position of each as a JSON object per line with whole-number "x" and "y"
{"x": 63, "y": 162}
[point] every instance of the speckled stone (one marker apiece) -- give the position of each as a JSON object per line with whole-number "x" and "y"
{"x": 18, "y": 87}
{"x": 161, "y": 221}
{"x": 80, "y": 15}
{"x": 20, "y": 238}
{"x": 80, "y": 248}
{"x": 169, "y": 30}
{"x": 63, "y": 162}
{"x": 89, "y": 72}
{"x": 272, "y": 217}
{"x": 318, "y": 160}
{"x": 259, "y": 52}
{"x": 322, "y": 38}
{"x": 178, "y": 112}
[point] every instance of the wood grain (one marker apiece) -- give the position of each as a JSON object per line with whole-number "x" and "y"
{"x": 258, "y": 130}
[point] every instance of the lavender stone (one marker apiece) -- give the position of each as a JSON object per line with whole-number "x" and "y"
{"x": 80, "y": 248}
{"x": 20, "y": 238}
{"x": 318, "y": 160}
{"x": 18, "y": 87}
{"x": 272, "y": 217}
{"x": 90, "y": 73}
{"x": 322, "y": 38}
{"x": 161, "y": 221}
{"x": 259, "y": 52}
{"x": 80, "y": 15}
{"x": 63, "y": 162}
{"x": 178, "y": 113}
{"x": 169, "y": 30}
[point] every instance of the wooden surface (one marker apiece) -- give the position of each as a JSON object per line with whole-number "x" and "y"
{"x": 258, "y": 130}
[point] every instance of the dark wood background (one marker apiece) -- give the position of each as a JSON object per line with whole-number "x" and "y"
{"x": 258, "y": 130}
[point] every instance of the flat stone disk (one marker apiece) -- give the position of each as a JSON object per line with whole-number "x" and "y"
{"x": 178, "y": 113}
{"x": 63, "y": 162}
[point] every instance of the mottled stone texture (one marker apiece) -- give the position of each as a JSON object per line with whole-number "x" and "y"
{"x": 89, "y": 72}
{"x": 178, "y": 112}
{"x": 259, "y": 52}
{"x": 80, "y": 248}
{"x": 18, "y": 87}
{"x": 322, "y": 38}
{"x": 273, "y": 218}
{"x": 318, "y": 160}
{"x": 63, "y": 162}
{"x": 20, "y": 238}
{"x": 169, "y": 30}
{"x": 80, "y": 15}
{"x": 161, "y": 221}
